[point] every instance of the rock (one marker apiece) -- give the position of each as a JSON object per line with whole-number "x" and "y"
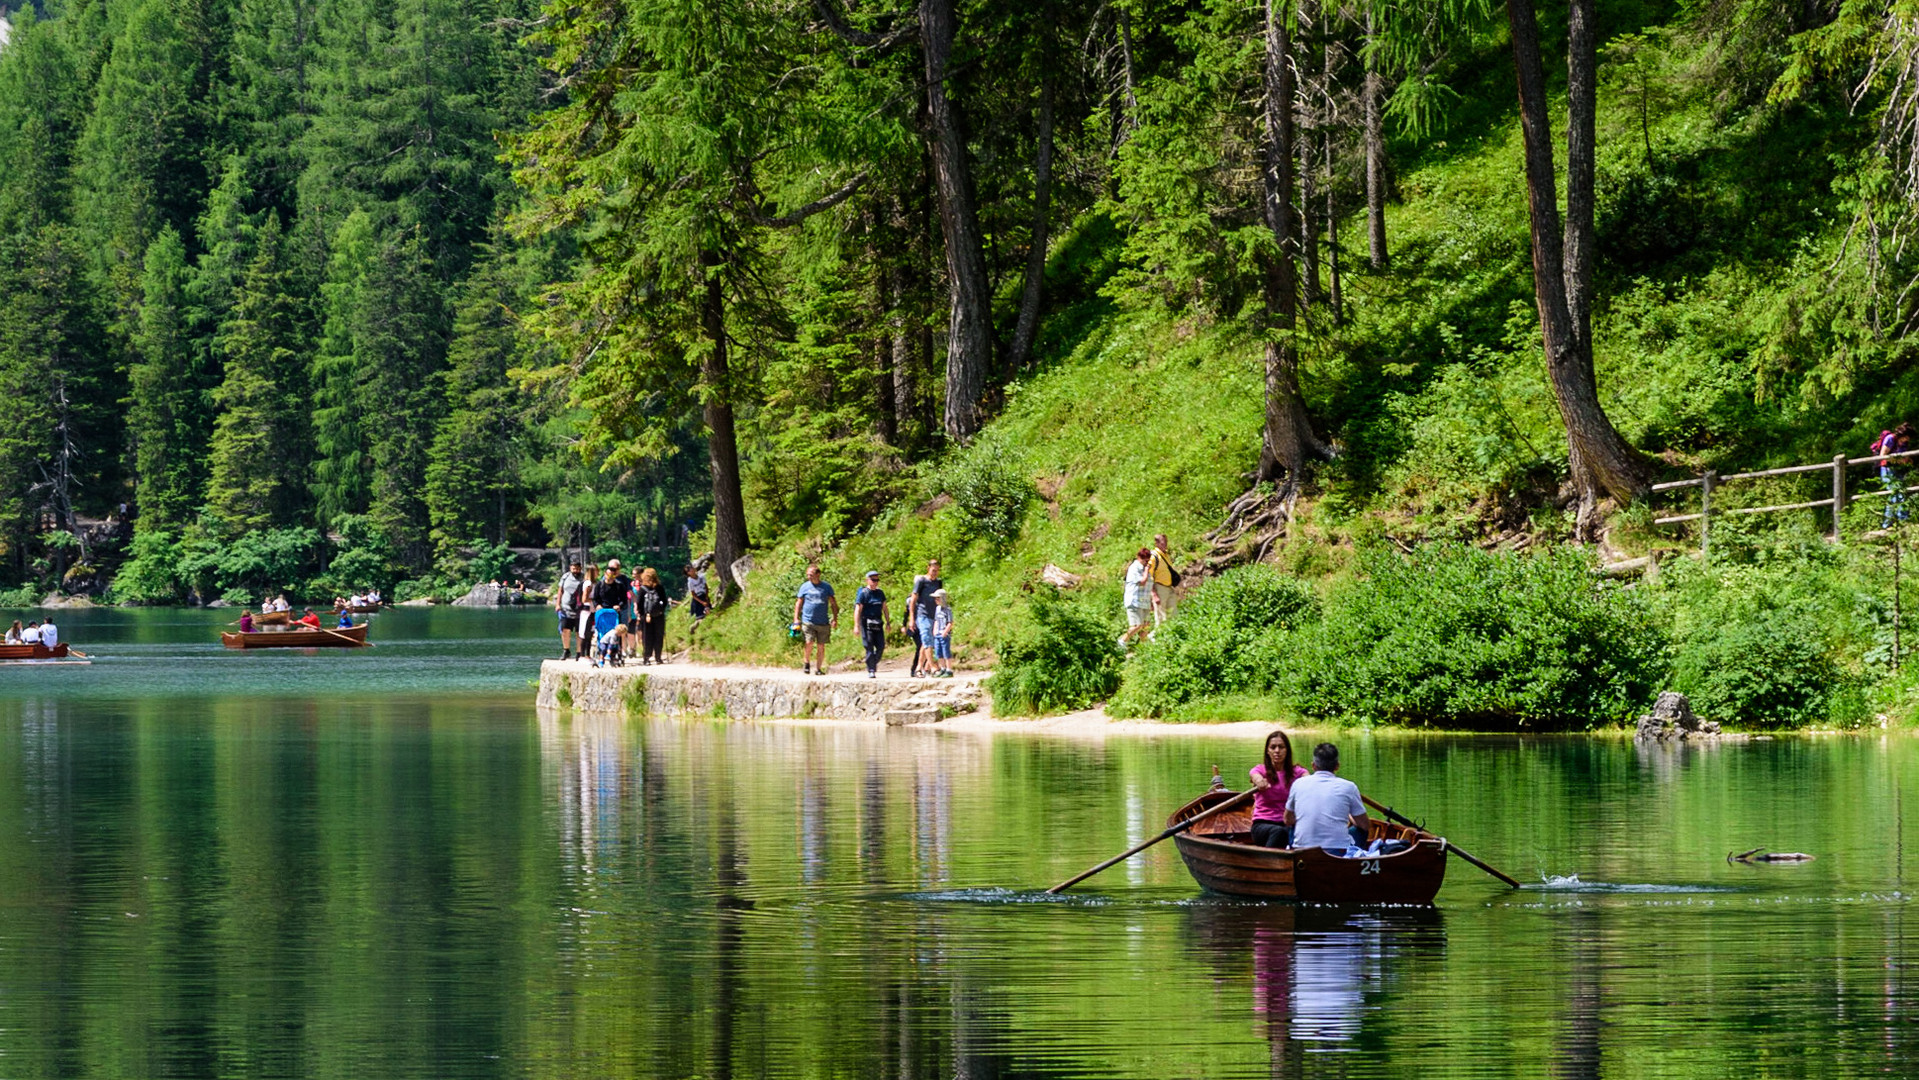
{"x": 217, "y": 603}
{"x": 61, "y": 600}
{"x": 485, "y": 594}
{"x": 741, "y": 567}
{"x": 1058, "y": 578}
{"x": 1672, "y": 719}
{"x": 418, "y": 601}
{"x": 915, "y": 715}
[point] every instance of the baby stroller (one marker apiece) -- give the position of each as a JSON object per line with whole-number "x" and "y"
{"x": 608, "y": 634}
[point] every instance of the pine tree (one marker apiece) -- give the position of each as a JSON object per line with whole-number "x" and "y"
{"x": 167, "y": 413}
{"x": 43, "y": 102}
{"x": 474, "y": 470}
{"x": 398, "y": 350}
{"x": 259, "y": 458}
{"x": 342, "y": 476}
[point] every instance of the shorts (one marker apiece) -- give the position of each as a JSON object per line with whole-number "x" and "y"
{"x": 926, "y": 631}
{"x": 1138, "y": 616}
{"x": 568, "y": 619}
{"x": 816, "y": 633}
{"x": 943, "y": 647}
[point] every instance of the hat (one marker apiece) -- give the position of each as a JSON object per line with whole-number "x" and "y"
{"x": 937, "y": 593}
{"x": 872, "y": 573}
{"x": 612, "y": 564}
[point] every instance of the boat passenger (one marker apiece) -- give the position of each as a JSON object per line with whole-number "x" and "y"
{"x": 246, "y": 621}
{"x": 1323, "y": 810}
{"x": 13, "y": 633}
{"x": 346, "y": 620}
{"x": 49, "y": 633}
{"x": 1273, "y": 781}
{"x": 310, "y": 619}
{"x": 31, "y": 635}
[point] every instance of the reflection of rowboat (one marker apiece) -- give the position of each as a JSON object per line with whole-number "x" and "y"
{"x": 36, "y": 653}
{"x": 349, "y": 638}
{"x": 273, "y": 618}
{"x": 1222, "y": 857}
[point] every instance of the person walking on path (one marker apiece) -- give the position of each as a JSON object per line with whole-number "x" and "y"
{"x": 566, "y": 601}
{"x": 1165, "y": 580}
{"x": 650, "y": 600}
{"x": 919, "y": 613}
{"x": 1892, "y": 471}
{"x": 816, "y": 611}
{"x": 623, "y": 597}
{"x": 943, "y": 633}
{"x": 1140, "y": 601}
{"x": 871, "y": 616}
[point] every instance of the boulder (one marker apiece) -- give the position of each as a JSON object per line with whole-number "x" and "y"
{"x": 1058, "y": 578}
{"x": 485, "y": 594}
{"x": 418, "y": 601}
{"x": 1672, "y": 720}
{"x": 741, "y": 567}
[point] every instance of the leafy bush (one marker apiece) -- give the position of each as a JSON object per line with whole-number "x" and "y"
{"x": 1467, "y": 638}
{"x": 24, "y": 596}
{"x": 152, "y": 575}
{"x": 1227, "y": 638}
{"x": 493, "y": 562}
{"x": 258, "y": 563}
{"x": 1068, "y": 660}
{"x": 362, "y": 557}
{"x": 991, "y": 492}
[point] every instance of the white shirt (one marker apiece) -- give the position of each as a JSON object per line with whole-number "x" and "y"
{"x": 30, "y": 635}
{"x": 49, "y": 635}
{"x": 1321, "y": 803}
{"x": 1137, "y": 595}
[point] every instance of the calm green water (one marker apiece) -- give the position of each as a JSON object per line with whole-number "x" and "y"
{"x": 285, "y": 866}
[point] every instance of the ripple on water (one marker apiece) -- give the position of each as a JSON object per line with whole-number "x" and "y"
{"x": 1571, "y": 883}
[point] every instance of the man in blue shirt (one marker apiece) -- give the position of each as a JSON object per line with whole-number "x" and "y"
{"x": 816, "y": 611}
{"x": 1320, "y": 805}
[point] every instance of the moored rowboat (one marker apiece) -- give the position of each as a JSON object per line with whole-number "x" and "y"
{"x": 301, "y": 638}
{"x": 1222, "y": 858}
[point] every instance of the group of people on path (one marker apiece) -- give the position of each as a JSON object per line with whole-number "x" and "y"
{"x": 38, "y": 632}
{"x": 928, "y": 622}
{"x": 607, "y": 613}
{"x": 1293, "y": 808}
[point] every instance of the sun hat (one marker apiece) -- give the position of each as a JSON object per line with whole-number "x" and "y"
{"x": 937, "y": 593}
{"x": 872, "y": 573}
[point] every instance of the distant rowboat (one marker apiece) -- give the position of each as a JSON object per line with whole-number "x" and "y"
{"x": 359, "y": 609}
{"x": 1222, "y": 857}
{"x": 273, "y": 618}
{"x": 303, "y": 638}
{"x": 36, "y": 653}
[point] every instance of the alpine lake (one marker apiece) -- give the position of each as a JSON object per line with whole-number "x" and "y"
{"x": 386, "y": 862}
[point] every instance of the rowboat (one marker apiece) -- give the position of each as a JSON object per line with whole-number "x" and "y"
{"x": 273, "y": 618}
{"x": 1222, "y": 857}
{"x": 359, "y": 609}
{"x": 351, "y": 637}
{"x": 36, "y": 653}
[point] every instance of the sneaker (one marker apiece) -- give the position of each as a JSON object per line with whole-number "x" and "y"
{"x": 872, "y": 675}
{"x": 806, "y": 669}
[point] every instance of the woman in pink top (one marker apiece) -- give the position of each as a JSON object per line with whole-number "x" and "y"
{"x": 1272, "y": 781}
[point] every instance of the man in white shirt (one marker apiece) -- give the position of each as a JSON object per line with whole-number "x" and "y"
{"x": 1319, "y": 806}
{"x": 49, "y": 634}
{"x": 31, "y": 635}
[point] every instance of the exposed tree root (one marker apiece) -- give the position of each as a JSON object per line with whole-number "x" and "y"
{"x": 1254, "y": 523}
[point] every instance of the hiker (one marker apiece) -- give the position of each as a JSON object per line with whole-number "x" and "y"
{"x": 697, "y": 597}
{"x": 943, "y": 634}
{"x": 1892, "y": 471}
{"x": 816, "y": 611}
{"x": 650, "y": 598}
{"x": 1165, "y": 580}
{"x": 1140, "y": 601}
{"x": 871, "y": 616}
{"x": 919, "y": 617}
{"x": 567, "y": 602}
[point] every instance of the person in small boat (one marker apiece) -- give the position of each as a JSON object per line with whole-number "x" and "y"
{"x": 49, "y": 633}
{"x": 31, "y": 635}
{"x": 346, "y": 620}
{"x": 13, "y": 633}
{"x": 1323, "y": 810}
{"x": 246, "y": 620}
{"x": 1273, "y": 781}
{"x": 310, "y": 619}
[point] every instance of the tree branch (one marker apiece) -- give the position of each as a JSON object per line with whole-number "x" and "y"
{"x": 825, "y": 202}
{"x": 835, "y": 20}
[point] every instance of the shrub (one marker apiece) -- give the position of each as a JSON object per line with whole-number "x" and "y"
{"x": 1771, "y": 672}
{"x": 1068, "y": 660}
{"x": 991, "y": 492}
{"x": 1467, "y": 638}
{"x": 1228, "y": 638}
{"x": 152, "y": 575}
{"x": 24, "y": 596}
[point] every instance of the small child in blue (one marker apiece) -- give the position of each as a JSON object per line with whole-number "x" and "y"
{"x": 611, "y": 637}
{"x": 943, "y": 634}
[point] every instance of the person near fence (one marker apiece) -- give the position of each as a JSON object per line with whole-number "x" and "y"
{"x": 1892, "y": 471}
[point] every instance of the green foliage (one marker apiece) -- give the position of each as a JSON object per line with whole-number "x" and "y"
{"x": 1229, "y": 637}
{"x": 260, "y": 563}
{"x": 152, "y": 575}
{"x": 24, "y": 596}
{"x": 1459, "y": 637}
{"x": 1066, "y": 660}
{"x": 361, "y": 558}
{"x": 990, "y": 491}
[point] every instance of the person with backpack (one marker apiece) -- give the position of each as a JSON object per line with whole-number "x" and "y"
{"x": 566, "y": 601}
{"x": 871, "y": 616}
{"x": 650, "y": 603}
{"x": 1892, "y": 471}
{"x": 1165, "y": 580}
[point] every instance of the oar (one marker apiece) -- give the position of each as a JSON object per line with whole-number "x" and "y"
{"x": 1393, "y": 815}
{"x": 1136, "y": 849}
{"x": 367, "y": 644}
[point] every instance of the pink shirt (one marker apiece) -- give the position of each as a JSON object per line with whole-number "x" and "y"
{"x": 1270, "y": 804}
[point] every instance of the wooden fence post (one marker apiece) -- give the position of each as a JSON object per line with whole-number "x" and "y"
{"x": 1838, "y": 493}
{"x": 1705, "y": 509}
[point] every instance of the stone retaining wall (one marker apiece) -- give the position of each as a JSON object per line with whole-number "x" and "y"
{"x": 747, "y": 693}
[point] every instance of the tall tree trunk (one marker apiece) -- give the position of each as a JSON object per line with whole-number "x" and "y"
{"x": 722, "y": 443}
{"x": 1336, "y": 295}
{"x": 1602, "y": 462}
{"x": 1308, "y": 126}
{"x": 969, "y": 342}
{"x": 1371, "y": 91}
{"x": 1288, "y": 433}
{"x": 1029, "y": 299}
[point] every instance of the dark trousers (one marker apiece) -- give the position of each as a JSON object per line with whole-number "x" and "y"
{"x": 873, "y": 635}
{"x": 652, "y": 637}
{"x": 913, "y": 635}
{"x": 1272, "y": 834}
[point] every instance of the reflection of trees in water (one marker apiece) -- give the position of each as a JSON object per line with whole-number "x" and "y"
{"x": 1581, "y": 942}
{"x": 1319, "y": 974}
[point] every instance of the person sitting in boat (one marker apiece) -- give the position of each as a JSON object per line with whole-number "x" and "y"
{"x": 31, "y": 635}
{"x": 1272, "y": 782}
{"x": 310, "y": 619}
{"x": 13, "y": 634}
{"x": 246, "y": 621}
{"x": 346, "y": 619}
{"x": 1325, "y": 811}
{"x": 279, "y": 604}
{"x": 49, "y": 633}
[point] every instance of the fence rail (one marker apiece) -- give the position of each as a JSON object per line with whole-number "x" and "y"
{"x": 1708, "y": 482}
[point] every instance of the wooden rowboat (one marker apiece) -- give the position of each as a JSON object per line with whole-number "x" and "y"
{"x": 301, "y": 638}
{"x": 32, "y": 653}
{"x": 1223, "y": 859}
{"x": 359, "y": 609}
{"x": 273, "y": 618}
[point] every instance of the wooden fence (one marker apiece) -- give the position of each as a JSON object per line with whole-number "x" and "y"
{"x": 1836, "y": 502}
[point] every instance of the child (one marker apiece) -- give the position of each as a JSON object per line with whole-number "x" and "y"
{"x": 611, "y": 635}
{"x": 943, "y": 634}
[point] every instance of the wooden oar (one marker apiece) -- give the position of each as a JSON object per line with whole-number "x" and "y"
{"x": 1393, "y": 815}
{"x": 347, "y": 637}
{"x": 1136, "y": 849}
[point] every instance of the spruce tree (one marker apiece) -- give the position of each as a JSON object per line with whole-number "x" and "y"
{"x": 43, "y": 102}
{"x": 398, "y": 350}
{"x": 342, "y": 476}
{"x": 472, "y": 476}
{"x": 166, "y": 413}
